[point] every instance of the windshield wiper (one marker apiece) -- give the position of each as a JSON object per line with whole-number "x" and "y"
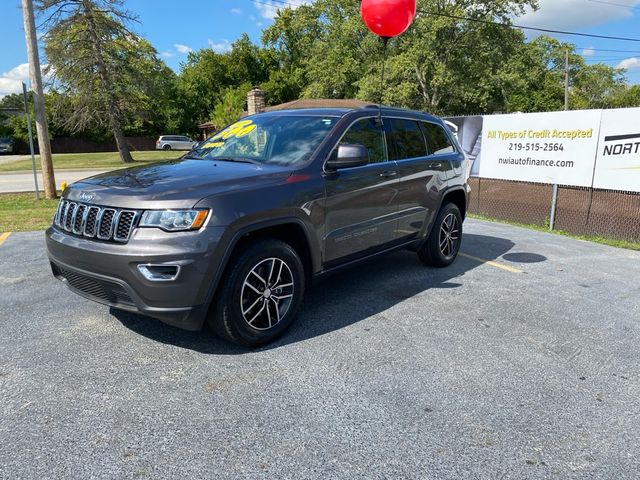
{"x": 236, "y": 159}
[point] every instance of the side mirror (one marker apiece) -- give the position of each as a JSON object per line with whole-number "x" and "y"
{"x": 349, "y": 156}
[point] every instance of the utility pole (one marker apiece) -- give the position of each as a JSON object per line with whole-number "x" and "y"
{"x": 35, "y": 77}
{"x": 566, "y": 80}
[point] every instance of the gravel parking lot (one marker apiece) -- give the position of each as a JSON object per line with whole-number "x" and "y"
{"x": 526, "y": 366}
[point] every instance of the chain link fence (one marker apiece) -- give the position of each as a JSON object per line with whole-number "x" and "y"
{"x": 579, "y": 210}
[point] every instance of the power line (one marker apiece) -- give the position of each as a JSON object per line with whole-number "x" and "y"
{"x": 536, "y": 29}
{"x": 487, "y": 22}
{"x": 610, "y": 59}
{"x": 614, "y": 4}
{"x": 275, "y": 3}
{"x": 596, "y": 49}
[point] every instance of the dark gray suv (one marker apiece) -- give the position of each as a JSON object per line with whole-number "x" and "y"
{"x": 234, "y": 233}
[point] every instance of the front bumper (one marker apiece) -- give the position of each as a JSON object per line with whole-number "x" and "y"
{"x": 107, "y": 272}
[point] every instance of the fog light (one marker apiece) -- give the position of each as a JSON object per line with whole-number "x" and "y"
{"x": 159, "y": 273}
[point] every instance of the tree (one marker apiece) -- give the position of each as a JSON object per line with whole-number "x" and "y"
{"x": 230, "y": 105}
{"x": 98, "y": 63}
{"x": 533, "y": 78}
{"x": 441, "y": 64}
{"x": 289, "y": 41}
{"x": 594, "y": 86}
{"x": 626, "y": 97}
{"x": 207, "y": 75}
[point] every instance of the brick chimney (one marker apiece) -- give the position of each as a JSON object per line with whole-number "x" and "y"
{"x": 255, "y": 101}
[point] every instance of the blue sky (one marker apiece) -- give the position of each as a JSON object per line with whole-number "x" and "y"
{"x": 175, "y": 28}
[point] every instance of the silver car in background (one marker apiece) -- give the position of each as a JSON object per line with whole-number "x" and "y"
{"x": 175, "y": 142}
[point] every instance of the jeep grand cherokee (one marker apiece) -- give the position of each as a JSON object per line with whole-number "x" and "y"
{"x": 233, "y": 233}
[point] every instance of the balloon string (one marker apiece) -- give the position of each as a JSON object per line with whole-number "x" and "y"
{"x": 385, "y": 40}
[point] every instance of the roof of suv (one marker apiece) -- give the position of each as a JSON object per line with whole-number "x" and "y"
{"x": 341, "y": 111}
{"x": 306, "y": 103}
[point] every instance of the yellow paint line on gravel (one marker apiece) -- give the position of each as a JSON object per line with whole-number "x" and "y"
{"x": 4, "y": 236}
{"x": 501, "y": 266}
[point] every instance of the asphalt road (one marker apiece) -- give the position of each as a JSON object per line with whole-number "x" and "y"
{"x": 23, "y": 181}
{"x": 524, "y": 368}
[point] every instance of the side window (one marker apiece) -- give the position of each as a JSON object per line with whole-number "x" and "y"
{"x": 406, "y": 139}
{"x": 367, "y": 132}
{"x": 437, "y": 139}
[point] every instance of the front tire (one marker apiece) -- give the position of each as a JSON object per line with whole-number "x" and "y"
{"x": 260, "y": 296}
{"x": 442, "y": 246}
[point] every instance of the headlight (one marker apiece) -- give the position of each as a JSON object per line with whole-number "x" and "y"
{"x": 174, "y": 220}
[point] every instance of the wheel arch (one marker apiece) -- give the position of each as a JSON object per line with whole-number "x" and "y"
{"x": 290, "y": 230}
{"x": 457, "y": 196}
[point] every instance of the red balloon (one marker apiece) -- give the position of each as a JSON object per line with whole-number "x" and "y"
{"x": 388, "y": 18}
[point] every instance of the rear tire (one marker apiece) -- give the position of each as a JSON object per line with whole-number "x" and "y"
{"x": 260, "y": 296}
{"x": 442, "y": 246}
{"x": 167, "y": 147}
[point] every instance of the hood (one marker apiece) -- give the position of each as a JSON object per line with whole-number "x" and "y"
{"x": 175, "y": 184}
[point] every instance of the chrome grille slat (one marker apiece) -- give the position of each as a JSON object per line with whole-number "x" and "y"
{"x": 105, "y": 224}
{"x": 63, "y": 213}
{"x": 124, "y": 225}
{"x": 78, "y": 218}
{"x": 59, "y": 212}
{"x": 92, "y": 221}
{"x": 68, "y": 218}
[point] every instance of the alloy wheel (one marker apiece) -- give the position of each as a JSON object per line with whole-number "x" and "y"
{"x": 449, "y": 235}
{"x": 267, "y": 293}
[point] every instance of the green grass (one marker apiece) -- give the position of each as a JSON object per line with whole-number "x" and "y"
{"x": 612, "y": 242}
{"x": 98, "y": 161}
{"x": 21, "y": 212}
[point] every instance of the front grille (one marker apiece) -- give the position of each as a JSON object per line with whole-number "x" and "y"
{"x": 99, "y": 289}
{"x": 92, "y": 221}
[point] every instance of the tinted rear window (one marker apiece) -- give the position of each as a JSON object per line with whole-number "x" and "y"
{"x": 437, "y": 139}
{"x": 405, "y": 139}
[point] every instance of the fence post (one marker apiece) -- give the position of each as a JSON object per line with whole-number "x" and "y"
{"x": 554, "y": 202}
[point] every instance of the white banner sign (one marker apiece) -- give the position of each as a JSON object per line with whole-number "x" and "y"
{"x": 552, "y": 147}
{"x": 618, "y": 161}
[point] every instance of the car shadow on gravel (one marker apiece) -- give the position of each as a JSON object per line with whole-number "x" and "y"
{"x": 342, "y": 299}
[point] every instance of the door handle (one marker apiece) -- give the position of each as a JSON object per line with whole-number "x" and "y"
{"x": 388, "y": 173}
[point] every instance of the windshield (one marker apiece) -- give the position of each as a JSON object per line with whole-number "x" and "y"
{"x": 277, "y": 140}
